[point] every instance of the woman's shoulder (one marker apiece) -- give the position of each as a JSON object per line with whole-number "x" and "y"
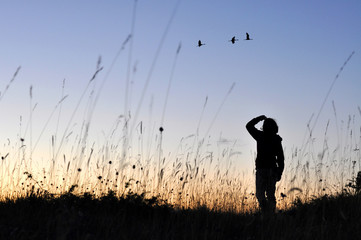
{"x": 273, "y": 138}
{"x": 278, "y": 137}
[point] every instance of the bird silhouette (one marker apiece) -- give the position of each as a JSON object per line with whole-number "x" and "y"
{"x": 233, "y": 40}
{"x": 200, "y": 43}
{"x": 247, "y": 37}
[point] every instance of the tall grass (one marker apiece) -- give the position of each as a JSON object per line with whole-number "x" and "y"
{"x": 197, "y": 173}
{"x": 130, "y": 159}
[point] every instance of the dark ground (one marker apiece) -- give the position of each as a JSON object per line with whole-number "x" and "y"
{"x": 83, "y": 217}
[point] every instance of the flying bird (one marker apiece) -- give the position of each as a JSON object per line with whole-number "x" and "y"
{"x": 200, "y": 43}
{"x": 233, "y": 40}
{"x": 247, "y": 37}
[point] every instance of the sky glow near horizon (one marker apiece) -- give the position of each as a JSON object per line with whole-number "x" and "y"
{"x": 285, "y": 72}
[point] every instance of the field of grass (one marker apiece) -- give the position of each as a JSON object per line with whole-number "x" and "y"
{"x": 43, "y": 216}
{"x": 127, "y": 187}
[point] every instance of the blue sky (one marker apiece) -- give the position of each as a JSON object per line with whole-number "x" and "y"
{"x": 285, "y": 72}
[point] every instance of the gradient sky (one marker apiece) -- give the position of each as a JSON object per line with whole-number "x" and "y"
{"x": 285, "y": 72}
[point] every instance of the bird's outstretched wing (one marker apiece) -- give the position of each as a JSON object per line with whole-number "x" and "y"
{"x": 247, "y": 37}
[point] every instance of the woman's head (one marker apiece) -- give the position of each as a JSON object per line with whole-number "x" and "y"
{"x": 270, "y": 126}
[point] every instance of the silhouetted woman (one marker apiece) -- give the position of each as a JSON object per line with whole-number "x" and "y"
{"x": 269, "y": 161}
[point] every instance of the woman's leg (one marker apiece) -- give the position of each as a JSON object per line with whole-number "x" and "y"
{"x": 271, "y": 189}
{"x": 261, "y": 188}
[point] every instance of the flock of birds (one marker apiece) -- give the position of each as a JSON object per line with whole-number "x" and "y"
{"x": 233, "y": 40}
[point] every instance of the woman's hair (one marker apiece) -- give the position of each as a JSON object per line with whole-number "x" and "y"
{"x": 270, "y": 126}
